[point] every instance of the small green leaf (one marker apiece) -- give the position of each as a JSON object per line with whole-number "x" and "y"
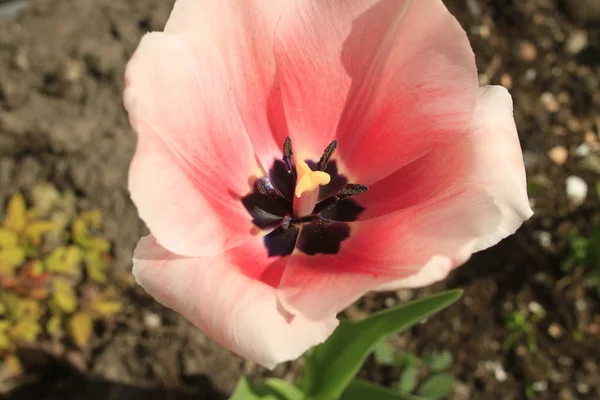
{"x": 331, "y": 366}
{"x": 64, "y": 296}
{"x": 406, "y": 359}
{"x": 16, "y": 213}
{"x": 27, "y": 330}
{"x": 359, "y": 389}
{"x": 36, "y": 230}
{"x": 53, "y": 325}
{"x": 384, "y": 353}
{"x": 95, "y": 266}
{"x": 80, "y": 328}
{"x": 409, "y": 379}
{"x": 270, "y": 389}
{"x": 64, "y": 260}
{"x": 8, "y": 238}
{"x": 437, "y": 387}
{"x": 105, "y": 307}
{"x": 10, "y": 259}
{"x": 81, "y": 234}
{"x": 438, "y": 362}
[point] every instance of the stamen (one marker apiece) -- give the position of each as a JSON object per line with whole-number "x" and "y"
{"x": 322, "y": 165}
{"x": 263, "y": 186}
{"x": 352, "y": 189}
{"x": 319, "y": 220}
{"x": 287, "y": 153}
{"x": 285, "y": 224}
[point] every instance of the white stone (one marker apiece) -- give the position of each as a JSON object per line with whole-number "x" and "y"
{"x": 576, "y": 190}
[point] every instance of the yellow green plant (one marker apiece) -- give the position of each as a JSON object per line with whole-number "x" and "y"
{"x": 53, "y": 272}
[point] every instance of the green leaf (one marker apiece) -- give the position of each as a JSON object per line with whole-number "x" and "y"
{"x": 437, "y": 387}
{"x": 359, "y": 389}
{"x": 331, "y": 366}
{"x": 8, "y": 238}
{"x": 384, "y": 353}
{"x": 438, "y": 362}
{"x": 65, "y": 297}
{"x": 80, "y": 328}
{"x": 270, "y": 389}
{"x": 16, "y": 213}
{"x": 409, "y": 379}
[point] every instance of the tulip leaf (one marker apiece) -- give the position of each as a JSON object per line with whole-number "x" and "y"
{"x": 331, "y": 366}
{"x": 359, "y": 389}
{"x": 270, "y": 389}
{"x": 80, "y": 328}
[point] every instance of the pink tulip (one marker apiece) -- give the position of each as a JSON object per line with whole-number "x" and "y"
{"x": 294, "y": 155}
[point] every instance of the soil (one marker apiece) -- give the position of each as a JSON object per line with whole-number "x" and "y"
{"x": 62, "y": 121}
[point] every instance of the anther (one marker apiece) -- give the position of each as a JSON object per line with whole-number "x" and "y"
{"x": 287, "y": 153}
{"x": 352, "y": 189}
{"x": 319, "y": 220}
{"x": 285, "y": 224}
{"x": 263, "y": 186}
{"x": 322, "y": 165}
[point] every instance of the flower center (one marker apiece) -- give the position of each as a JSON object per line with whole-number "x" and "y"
{"x": 304, "y": 204}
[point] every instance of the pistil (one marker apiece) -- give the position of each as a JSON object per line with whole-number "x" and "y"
{"x": 306, "y": 193}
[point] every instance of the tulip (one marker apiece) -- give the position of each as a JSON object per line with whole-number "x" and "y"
{"x": 294, "y": 155}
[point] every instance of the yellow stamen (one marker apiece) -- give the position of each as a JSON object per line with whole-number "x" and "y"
{"x": 309, "y": 180}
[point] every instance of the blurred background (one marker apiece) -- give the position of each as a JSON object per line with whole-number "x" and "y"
{"x": 73, "y": 324}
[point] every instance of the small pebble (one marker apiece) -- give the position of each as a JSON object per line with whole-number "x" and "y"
{"x": 544, "y": 239}
{"x": 555, "y": 331}
{"x": 152, "y": 321}
{"x": 590, "y": 137}
{"x": 576, "y": 190}
{"x": 535, "y": 307}
{"x": 506, "y": 81}
{"x": 527, "y": 51}
{"x": 583, "y": 150}
{"x": 558, "y": 154}
{"x": 540, "y": 386}
{"x": 530, "y": 75}
{"x": 577, "y": 42}
{"x": 549, "y": 101}
{"x": 583, "y": 388}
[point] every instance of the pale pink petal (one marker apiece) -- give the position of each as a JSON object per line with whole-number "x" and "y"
{"x": 223, "y": 298}
{"x": 241, "y": 34}
{"x": 382, "y": 252}
{"x": 488, "y": 156}
{"x": 194, "y": 160}
{"x": 390, "y": 79}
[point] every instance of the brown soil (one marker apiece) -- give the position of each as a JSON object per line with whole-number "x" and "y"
{"x": 62, "y": 121}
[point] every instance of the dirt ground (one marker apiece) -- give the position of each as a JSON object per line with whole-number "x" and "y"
{"x": 62, "y": 121}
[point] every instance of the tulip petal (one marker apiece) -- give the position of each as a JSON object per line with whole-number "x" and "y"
{"x": 241, "y": 34}
{"x": 193, "y": 161}
{"x": 224, "y": 297}
{"x": 390, "y": 79}
{"x": 432, "y": 238}
{"x": 488, "y": 156}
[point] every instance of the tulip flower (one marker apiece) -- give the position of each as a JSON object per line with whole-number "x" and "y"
{"x": 294, "y": 155}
